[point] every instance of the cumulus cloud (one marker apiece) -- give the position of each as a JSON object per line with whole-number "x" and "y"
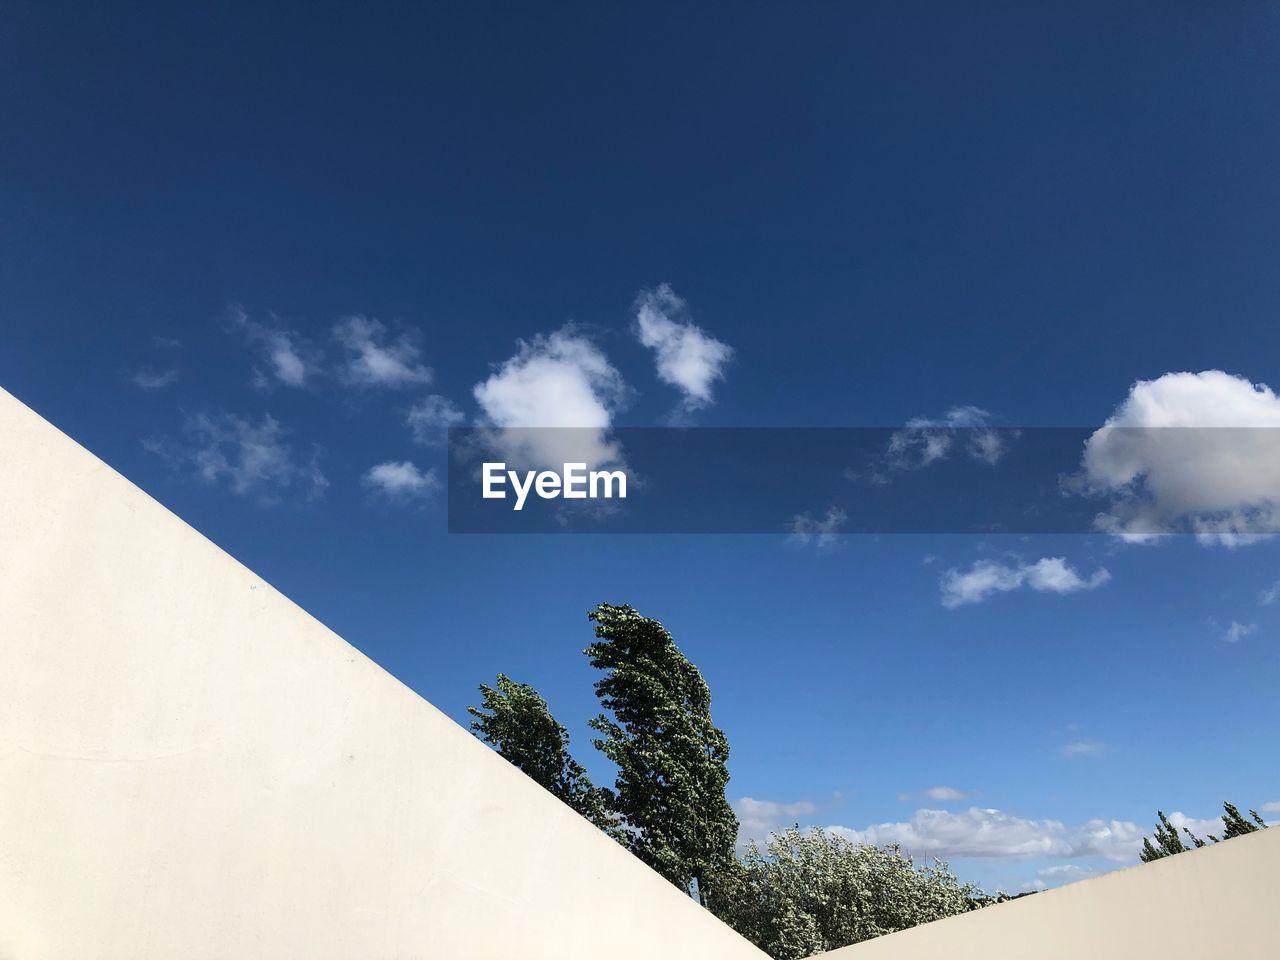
{"x": 373, "y": 358}
{"x": 561, "y": 381}
{"x": 149, "y": 379}
{"x": 286, "y": 357}
{"x": 980, "y": 832}
{"x": 824, "y": 531}
{"x": 253, "y": 459}
{"x": 686, "y": 357}
{"x": 1201, "y": 828}
{"x": 987, "y": 577}
{"x": 1189, "y": 453}
{"x": 400, "y": 482}
{"x": 758, "y": 818}
{"x": 1237, "y": 631}
{"x": 429, "y": 419}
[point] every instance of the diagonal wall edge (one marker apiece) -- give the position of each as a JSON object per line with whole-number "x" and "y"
{"x": 192, "y": 766}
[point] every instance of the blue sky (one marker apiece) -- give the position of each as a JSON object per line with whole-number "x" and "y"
{"x": 880, "y": 213}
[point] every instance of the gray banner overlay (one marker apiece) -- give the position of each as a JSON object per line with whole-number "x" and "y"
{"x": 807, "y": 482}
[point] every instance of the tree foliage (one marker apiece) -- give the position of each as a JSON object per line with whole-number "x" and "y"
{"x": 670, "y": 756}
{"x": 1168, "y": 842}
{"x": 515, "y": 720}
{"x": 809, "y": 891}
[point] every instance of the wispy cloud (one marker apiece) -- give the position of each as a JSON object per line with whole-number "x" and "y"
{"x": 963, "y": 431}
{"x": 400, "y": 482}
{"x": 823, "y": 531}
{"x": 686, "y": 357}
{"x": 430, "y": 419}
{"x": 1271, "y": 595}
{"x": 987, "y": 577}
{"x": 252, "y": 458}
{"x": 1084, "y": 748}
{"x": 286, "y": 357}
{"x": 374, "y": 358}
{"x": 149, "y": 379}
{"x": 1237, "y": 631}
{"x": 925, "y": 440}
{"x": 939, "y": 794}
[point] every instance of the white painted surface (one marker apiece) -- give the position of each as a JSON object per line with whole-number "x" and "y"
{"x": 1217, "y": 903}
{"x": 191, "y": 766}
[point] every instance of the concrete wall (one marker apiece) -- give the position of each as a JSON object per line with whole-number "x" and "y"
{"x": 1217, "y": 902}
{"x": 191, "y": 766}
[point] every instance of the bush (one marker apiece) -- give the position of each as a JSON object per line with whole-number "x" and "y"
{"x": 809, "y": 891}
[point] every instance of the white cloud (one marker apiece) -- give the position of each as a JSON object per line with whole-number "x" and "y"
{"x": 1271, "y": 806}
{"x": 558, "y": 381}
{"x": 429, "y": 419}
{"x": 1084, "y": 748}
{"x": 980, "y": 832}
{"x": 1238, "y": 631}
{"x": 1221, "y": 484}
{"x": 148, "y": 379}
{"x": 987, "y": 577}
{"x": 374, "y": 359}
{"x": 945, "y": 793}
{"x": 1201, "y": 828}
{"x": 758, "y": 818}
{"x": 686, "y": 357}
{"x": 400, "y": 482}
{"x": 253, "y": 459}
{"x": 1063, "y": 871}
{"x": 823, "y": 532}
{"x": 1057, "y": 875}
{"x": 926, "y": 440}
{"x": 289, "y": 359}
{"x": 1270, "y": 595}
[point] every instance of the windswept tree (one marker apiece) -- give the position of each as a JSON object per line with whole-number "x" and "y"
{"x": 515, "y": 720}
{"x": 1168, "y": 842}
{"x": 671, "y": 758}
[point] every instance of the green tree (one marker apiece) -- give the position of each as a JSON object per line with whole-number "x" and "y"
{"x": 1167, "y": 842}
{"x": 1235, "y": 825}
{"x": 810, "y": 891}
{"x": 671, "y": 758}
{"x": 515, "y": 720}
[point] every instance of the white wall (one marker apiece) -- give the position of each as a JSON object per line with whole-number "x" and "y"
{"x": 1217, "y": 903}
{"x": 191, "y": 766}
